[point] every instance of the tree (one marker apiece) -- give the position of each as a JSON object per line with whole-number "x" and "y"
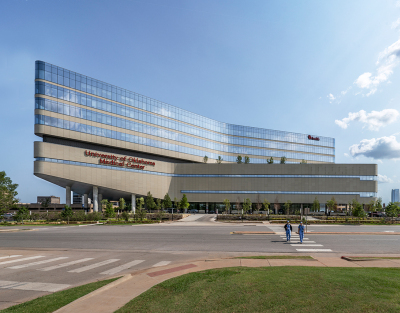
{"x": 205, "y": 159}
{"x": 303, "y": 162}
{"x": 239, "y": 159}
{"x": 315, "y": 206}
{"x": 22, "y": 214}
{"x": 378, "y": 204}
{"x": 246, "y": 205}
{"x": 392, "y": 210}
{"x": 287, "y": 206}
{"x": 160, "y": 212}
{"x": 176, "y": 204}
{"x": 122, "y": 205}
{"x": 332, "y": 204}
{"x": 167, "y": 201}
{"x": 270, "y": 160}
{"x": 141, "y": 212}
{"x": 219, "y": 160}
{"x": 8, "y": 193}
{"x": 45, "y": 203}
{"x": 266, "y": 206}
{"x": 67, "y": 213}
{"x": 258, "y": 203}
{"x": 246, "y": 160}
{"x": 109, "y": 211}
{"x": 184, "y": 204}
{"x": 358, "y": 210}
{"x": 227, "y": 206}
{"x": 238, "y": 205}
{"x": 150, "y": 204}
{"x": 283, "y": 160}
{"x": 372, "y": 206}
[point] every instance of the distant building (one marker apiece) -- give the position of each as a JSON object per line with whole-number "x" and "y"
{"x": 395, "y": 195}
{"x": 76, "y": 198}
{"x": 51, "y": 199}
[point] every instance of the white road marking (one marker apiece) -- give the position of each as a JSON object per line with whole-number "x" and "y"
{"x": 24, "y": 259}
{"x": 89, "y": 267}
{"x": 122, "y": 267}
{"x": 4, "y": 284}
{"x": 305, "y": 245}
{"x": 50, "y": 268}
{"x": 162, "y": 263}
{"x": 308, "y": 241}
{"x": 314, "y": 250}
{"x": 9, "y": 256}
{"x": 37, "y": 263}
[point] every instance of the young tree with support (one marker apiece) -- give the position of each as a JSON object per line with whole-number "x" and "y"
{"x": 266, "y": 206}
{"x": 283, "y": 160}
{"x": 392, "y": 210}
{"x": 219, "y": 160}
{"x": 258, "y": 203}
{"x": 109, "y": 211}
{"x": 239, "y": 159}
{"x": 270, "y": 160}
{"x": 246, "y": 205}
{"x": 205, "y": 159}
{"x": 357, "y": 210}
{"x": 160, "y": 211}
{"x": 67, "y": 213}
{"x": 332, "y": 204}
{"x": 246, "y": 160}
{"x": 227, "y": 205}
{"x": 315, "y": 206}
{"x": 287, "y": 206}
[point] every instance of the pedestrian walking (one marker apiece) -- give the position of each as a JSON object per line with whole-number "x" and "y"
{"x": 288, "y": 229}
{"x": 301, "y": 232}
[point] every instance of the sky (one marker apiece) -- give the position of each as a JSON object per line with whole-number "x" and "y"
{"x": 327, "y": 68}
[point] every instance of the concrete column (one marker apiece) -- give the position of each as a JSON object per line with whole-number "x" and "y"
{"x": 133, "y": 200}
{"x": 207, "y": 208}
{"x": 100, "y": 199}
{"x": 95, "y": 199}
{"x": 86, "y": 201}
{"x": 301, "y": 211}
{"x": 68, "y": 195}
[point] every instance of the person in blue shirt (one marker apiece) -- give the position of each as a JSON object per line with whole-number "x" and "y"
{"x": 288, "y": 229}
{"x": 301, "y": 232}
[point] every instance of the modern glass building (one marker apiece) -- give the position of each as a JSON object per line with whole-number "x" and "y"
{"x": 395, "y": 195}
{"x": 98, "y": 128}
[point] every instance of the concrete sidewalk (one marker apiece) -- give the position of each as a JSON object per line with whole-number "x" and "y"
{"x": 115, "y": 295}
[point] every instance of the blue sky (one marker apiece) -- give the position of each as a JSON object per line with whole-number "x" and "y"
{"x": 329, "y": 68}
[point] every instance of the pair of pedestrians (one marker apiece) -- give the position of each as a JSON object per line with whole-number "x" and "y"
{"x": 288, "y": 229}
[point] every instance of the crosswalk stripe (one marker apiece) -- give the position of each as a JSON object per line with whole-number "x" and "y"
{"x": 89, "y": 267}
{"x": 162, "y": 263}
{"x": 5, "y": 284}
{"x": 314, "y": 250}
{"x": 9, "y": 256}
{"x": 50, "y": 268}
{"x": 37, "y": 263}
{"x": 305, "y": 245}
{"x": 122, "y": 267}
{"x": 308, "y": 241}
{"x": 24, "y": 259}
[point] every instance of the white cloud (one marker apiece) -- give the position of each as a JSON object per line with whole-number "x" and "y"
{"x": 384, "y": 179}
{"x": 398, "y": 4}
{"x": 396, "y": 23}
{"x": 346, "y": 155}
{"x": 331, "y": 97}
{"x": 377, "y": 148}
{"x": 389, "y": 59}
{"x": 345, "y": 91}
{"x": 374, "y": 120}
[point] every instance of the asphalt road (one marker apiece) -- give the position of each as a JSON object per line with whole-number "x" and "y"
{"x": 71, "y": 255}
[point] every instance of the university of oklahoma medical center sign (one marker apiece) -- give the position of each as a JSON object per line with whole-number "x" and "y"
{"x": 124, "y": 161}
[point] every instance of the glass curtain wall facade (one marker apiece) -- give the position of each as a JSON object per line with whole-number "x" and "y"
{"x": 88, "y": 100}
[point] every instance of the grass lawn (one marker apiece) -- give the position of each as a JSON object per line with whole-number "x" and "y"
{"x": 275, "y": 289}
{"x": 56, "y": 300}
{"x": 303, "y": 257}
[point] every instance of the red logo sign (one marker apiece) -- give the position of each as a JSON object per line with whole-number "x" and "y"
{"x": 313, "y": 138}
{"x": 111, "y": 159}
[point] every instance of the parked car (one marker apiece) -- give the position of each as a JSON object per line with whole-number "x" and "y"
{"x": 211, "y": 212}
{"x": 8, "y": 216}
{"x": 193, "y": 211}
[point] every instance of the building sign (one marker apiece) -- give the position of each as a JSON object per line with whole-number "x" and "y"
{"x": 124, "y": 161}
{"x": 313, "y": 138}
